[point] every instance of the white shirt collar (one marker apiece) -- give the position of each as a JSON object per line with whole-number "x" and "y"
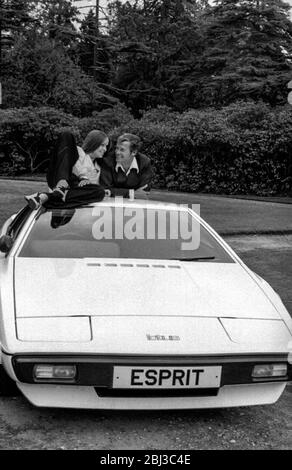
{"x": 133, "y": 166}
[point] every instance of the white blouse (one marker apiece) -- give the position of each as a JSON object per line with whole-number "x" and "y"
{"x": 84, "y": 168}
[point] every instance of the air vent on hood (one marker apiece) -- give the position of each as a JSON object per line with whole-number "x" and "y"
{"x": 134, "y": 265}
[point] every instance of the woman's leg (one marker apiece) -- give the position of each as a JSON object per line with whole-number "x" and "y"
{"x": 74, "y": 197}
{"x": 62, "y": 162}
{"x": 78, "y": 196}
{"x": 59, "y": 172}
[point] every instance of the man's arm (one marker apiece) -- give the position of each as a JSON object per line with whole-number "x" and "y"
{"x": 107, "y": 182}
{"x": 140, "y": 189}
{"x": 146, "y": 175}
{"x": 123, "y": 192}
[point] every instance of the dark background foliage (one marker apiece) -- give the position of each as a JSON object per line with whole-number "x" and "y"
{"x": 242, "y": 148}
{"x": 205, "y": 85}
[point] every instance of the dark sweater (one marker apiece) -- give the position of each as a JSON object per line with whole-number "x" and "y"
{"x": 118, "y": 182}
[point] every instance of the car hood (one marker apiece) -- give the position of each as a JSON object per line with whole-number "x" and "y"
{"x": 92, "y": 288}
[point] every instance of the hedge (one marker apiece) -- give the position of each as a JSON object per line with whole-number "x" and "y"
{"x": 243, "y": 148}
{"x": 28, "y": 135}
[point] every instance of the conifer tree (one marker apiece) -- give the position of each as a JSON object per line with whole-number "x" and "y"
{"x": 98, "y": 64}
{"x": 247, "y": 54}
{"x": 151, "y": 43}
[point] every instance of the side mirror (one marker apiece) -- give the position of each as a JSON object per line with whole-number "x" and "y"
{"x": 6, "y": 243}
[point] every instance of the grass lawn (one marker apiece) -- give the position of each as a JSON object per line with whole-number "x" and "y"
{"x": 226, "y": 215}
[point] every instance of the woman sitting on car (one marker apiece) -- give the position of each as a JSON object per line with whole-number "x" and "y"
{"x": 74, "y": 172}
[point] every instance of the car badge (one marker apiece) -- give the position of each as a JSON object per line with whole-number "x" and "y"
{"x": 162, "y": 337}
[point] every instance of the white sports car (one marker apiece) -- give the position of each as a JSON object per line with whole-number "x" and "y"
{"x": 135, "y": 305}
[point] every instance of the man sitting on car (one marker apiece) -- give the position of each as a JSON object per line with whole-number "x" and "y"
{"x": 128, "y": 173}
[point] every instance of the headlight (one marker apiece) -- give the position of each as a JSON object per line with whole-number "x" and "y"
{"x": 59, "y": 372}
{"x": 262, "y": 371}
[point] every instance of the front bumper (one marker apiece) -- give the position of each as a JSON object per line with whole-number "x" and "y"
{"x": 59, "y": 396}
{"x": 97, "y": 370}
{"x": 93, "y": 386}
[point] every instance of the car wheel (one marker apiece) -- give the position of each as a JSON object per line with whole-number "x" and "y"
{"x": 8, "y": 387}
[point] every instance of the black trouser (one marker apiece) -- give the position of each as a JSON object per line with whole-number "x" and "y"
{"x": 63, "y": 160}
{"x": 76, "y": 197}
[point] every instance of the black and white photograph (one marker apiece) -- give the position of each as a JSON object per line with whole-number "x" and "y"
{"x": 145, "y": 228}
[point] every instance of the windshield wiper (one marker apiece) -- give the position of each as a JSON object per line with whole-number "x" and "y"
{"x": 194, "y": 259}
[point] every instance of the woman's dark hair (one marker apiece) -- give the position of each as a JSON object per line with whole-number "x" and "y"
{"x": 93, "y": 140}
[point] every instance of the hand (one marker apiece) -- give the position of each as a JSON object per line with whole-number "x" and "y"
{"x": 141, "y": 194}
{"x": 62, "y": 184}
{"x": 83, "y": 183}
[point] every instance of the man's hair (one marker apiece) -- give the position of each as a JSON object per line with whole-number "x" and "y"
{"x": 135, "y": 141}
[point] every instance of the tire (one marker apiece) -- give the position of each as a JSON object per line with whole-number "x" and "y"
{"x": 8, "y": 387}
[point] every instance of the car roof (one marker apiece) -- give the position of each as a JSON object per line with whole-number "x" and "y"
{"x": 143, "y": 203}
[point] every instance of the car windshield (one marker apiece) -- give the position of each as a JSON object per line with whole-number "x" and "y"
{"x": 122, "y": 232}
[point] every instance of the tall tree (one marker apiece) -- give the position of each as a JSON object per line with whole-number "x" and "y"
{"x": 57, "y": 19}
{"x": 87, "y": 42}
{"x": 15, "y": 14}
{"x": 247, "y": 54}
{"x": 42, "y": 74}
{"x": 151, "y": 41}
{"x": 93, "y": 50}
{"x": 42, "y": 66}
{"x": 15, "y": 17}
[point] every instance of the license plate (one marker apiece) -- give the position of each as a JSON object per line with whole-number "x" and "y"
{"x": 167, "y": 377}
